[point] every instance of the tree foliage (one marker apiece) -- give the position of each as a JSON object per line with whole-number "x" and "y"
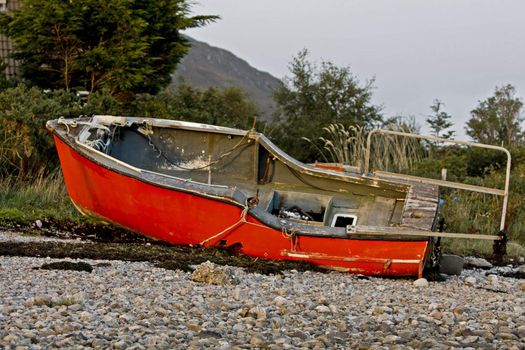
{"x": 26, "y": 147}
{"x": 123, "y": 46}
{"x": 316, "y": 96}
{"x": 226, "y": 107}
{"x": 497, "y": 119}
{"x": 439, "y": 121}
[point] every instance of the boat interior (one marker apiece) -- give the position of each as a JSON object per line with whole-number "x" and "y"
{"x": 246, "y": 169}
{"x": 248, "y": 161}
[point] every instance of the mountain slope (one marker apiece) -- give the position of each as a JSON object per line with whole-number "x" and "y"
{"x": 207, "y": 66}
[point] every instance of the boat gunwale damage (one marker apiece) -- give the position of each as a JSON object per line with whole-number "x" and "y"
{"x": 234, "y": 196}
{"x": 371, "y": 181}
{"x": 221, "y": 193}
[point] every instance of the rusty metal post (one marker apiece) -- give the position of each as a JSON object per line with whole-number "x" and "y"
{"x": 499, "y": 248}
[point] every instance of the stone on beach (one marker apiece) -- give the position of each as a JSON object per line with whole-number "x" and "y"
{"x": 421, "y": 282}
{"x": 211, "y": 273}
{"x": 480, "y": 263}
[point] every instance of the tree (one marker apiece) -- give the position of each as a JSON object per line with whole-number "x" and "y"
{"x": 123, "y": 46}
{"x": 27, "y": 148}
{"x": 497, "y": 119}
{"x": 316, "y": 96}
{"x": 25, "y": 145}
{"x": 439, "y": 121}
{"x": 226, "y": 107}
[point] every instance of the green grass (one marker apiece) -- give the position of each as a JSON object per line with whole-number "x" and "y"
{"x": 23, "y": 202}
{"x": 476, "y": 247}
{"x": 476, "y": 213}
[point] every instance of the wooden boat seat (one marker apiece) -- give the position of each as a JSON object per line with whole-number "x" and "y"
{"x": 421, "y": 206}
{"x": 421, "y": 203}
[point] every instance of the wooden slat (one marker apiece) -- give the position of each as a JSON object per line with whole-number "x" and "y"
{"x": 451, "y": 184}
{"x": 399, "y": 231}
{"x": 420, "y": 206}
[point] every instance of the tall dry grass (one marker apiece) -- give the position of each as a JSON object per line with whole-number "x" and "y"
{"x": 347, "y": 145}
{"x": 344, "y": 145}
{"x": 395, "y": 154}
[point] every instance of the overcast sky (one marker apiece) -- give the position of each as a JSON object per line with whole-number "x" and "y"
{"x": 417, "y": 50}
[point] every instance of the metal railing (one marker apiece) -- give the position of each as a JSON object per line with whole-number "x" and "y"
{"x": 457, "y": 185}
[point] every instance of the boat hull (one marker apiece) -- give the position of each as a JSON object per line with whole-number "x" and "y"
{"x": 180, "y": 217}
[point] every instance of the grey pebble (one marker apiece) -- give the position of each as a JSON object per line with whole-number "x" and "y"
{"x": 134, "y": 305}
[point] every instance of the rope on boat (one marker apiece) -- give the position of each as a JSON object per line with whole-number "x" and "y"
{"x": 242, "y": 219}
{"x": 292, "y": 237}
{"x": 75, "y": 123}
{"x": 251, "y": 203}
{"x": 64, "y": 122}
{"x": 98, "y": 143}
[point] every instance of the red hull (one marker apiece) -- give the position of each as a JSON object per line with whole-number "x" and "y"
{"x": 185, "y": 218}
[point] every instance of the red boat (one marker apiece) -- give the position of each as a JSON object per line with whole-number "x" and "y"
{"x": 189, "y": 183}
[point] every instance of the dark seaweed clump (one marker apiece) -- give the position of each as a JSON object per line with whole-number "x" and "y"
{"x": 67, "y": 265}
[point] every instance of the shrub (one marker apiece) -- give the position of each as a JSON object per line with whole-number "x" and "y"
{"x": 25, "y": 145}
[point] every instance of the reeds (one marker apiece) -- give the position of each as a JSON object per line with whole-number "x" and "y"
{"x": 344, "y": 145}
{"x": 347, "y": 145}
{"x": 396, "y": 153}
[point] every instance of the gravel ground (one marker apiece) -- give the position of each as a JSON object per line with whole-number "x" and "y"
{"x": 12, "y": 236}
{"x": 123, "y": 305}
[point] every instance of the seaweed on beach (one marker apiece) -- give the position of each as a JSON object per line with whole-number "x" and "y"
{"x": 67, "y": 265}
{"x": 172, "y": 257}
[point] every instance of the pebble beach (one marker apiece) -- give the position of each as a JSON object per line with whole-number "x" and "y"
{"x": 134, "y": 305}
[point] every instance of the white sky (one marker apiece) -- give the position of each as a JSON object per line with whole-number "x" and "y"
{"x": 418, "y": 50}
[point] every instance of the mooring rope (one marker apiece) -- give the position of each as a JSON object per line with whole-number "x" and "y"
{"x": 75, "y": 123}
{"x": 292, "y": 236}
{"x": 241, "y": 220}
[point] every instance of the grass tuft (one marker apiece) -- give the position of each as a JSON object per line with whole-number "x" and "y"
{"x": 41, "y": 197}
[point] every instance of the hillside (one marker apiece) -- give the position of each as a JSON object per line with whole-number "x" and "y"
{"x": 207, "y": 66}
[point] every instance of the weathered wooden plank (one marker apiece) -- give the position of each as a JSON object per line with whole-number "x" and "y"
{"x": 399, "y": 231}
{"x": 421, "y": 205}
{"x": 457, "y": 185}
